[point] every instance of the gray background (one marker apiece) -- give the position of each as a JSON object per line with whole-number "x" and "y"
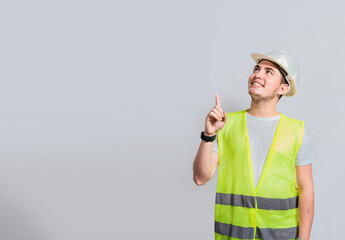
{"x": 102, "y": 105}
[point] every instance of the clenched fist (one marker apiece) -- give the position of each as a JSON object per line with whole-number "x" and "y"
{"x": 215, "y": 120}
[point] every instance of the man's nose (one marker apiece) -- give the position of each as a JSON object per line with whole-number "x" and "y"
{"x": 259, "y": 73}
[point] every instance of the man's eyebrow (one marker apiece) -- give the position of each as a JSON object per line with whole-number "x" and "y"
{"x": 257, "y": 66}
{"x": 270, "y": 69}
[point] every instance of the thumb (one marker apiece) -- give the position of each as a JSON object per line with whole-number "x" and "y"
{"x": 225, "y": 117}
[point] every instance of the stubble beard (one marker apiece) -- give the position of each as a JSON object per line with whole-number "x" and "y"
{"x": 256, "y": 99}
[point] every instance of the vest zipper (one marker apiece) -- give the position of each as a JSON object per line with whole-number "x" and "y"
{"x": 256, "y": 213}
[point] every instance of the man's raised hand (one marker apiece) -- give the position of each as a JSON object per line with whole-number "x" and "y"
{"x": 215, "y": 120}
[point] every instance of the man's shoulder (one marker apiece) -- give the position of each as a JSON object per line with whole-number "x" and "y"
{"x": 293, "y": 119}
{"x": 236, "y": 113}
{"x": 294, "y": 123}
{"x": 232, "y": 118}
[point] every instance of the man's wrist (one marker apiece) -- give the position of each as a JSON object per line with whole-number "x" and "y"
{"x": 207, "y": 138}
{"x": 301, "y": 238}
{"x": 209, "y": 134}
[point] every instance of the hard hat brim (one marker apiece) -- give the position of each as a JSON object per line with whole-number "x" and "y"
{"x": 257, "y": 57}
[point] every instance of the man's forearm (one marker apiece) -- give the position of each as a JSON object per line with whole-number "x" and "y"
{"x": 306, "y": 212}
{"x": 202, "y": 166}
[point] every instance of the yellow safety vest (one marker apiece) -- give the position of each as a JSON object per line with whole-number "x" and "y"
{"x": 269, "y": 211}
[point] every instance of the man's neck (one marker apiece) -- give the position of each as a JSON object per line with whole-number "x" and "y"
{"x": 263, "y": 110}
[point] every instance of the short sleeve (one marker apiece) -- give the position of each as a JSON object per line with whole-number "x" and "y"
{"x": 305, "y": 154}
{"x": 215, "y": 145}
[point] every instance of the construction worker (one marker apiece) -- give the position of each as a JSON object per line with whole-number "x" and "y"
{"x": 265, "y": 186}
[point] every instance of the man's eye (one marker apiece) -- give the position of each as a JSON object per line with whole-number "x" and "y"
{"x": 270, "y": 72}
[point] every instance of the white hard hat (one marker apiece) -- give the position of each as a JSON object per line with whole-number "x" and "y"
{"x": 287, "y": 63}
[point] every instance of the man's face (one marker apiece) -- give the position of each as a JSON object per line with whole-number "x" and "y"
{"x": 264, "y": 82}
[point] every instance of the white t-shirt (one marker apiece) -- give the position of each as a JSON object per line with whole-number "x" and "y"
{"x": 260, "y": 133}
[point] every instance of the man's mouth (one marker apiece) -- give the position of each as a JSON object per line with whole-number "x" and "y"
{"x": 257, "y": 84}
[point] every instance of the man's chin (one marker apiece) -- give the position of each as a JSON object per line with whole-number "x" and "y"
{"x": 257, "y": 98}
{"x": 253, "y": 94}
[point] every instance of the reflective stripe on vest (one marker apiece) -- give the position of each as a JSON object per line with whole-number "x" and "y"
{"x": 269, "y": 210}
{"x": 263, "y": 203}
{"x": 248, "y": 232}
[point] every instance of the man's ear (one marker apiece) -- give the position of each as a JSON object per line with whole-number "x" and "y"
{"x": 283, "y": 88}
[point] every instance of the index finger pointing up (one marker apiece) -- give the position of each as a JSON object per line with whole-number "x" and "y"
{"x": 217, "y": 100}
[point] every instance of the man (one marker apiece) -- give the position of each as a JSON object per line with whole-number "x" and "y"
{"x": 265, "y": 186}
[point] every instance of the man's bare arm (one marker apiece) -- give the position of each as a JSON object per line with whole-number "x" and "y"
{"x": 205, "y": 163}
{"x": 306, "y": 200}
{"x": 206, "y": 160}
